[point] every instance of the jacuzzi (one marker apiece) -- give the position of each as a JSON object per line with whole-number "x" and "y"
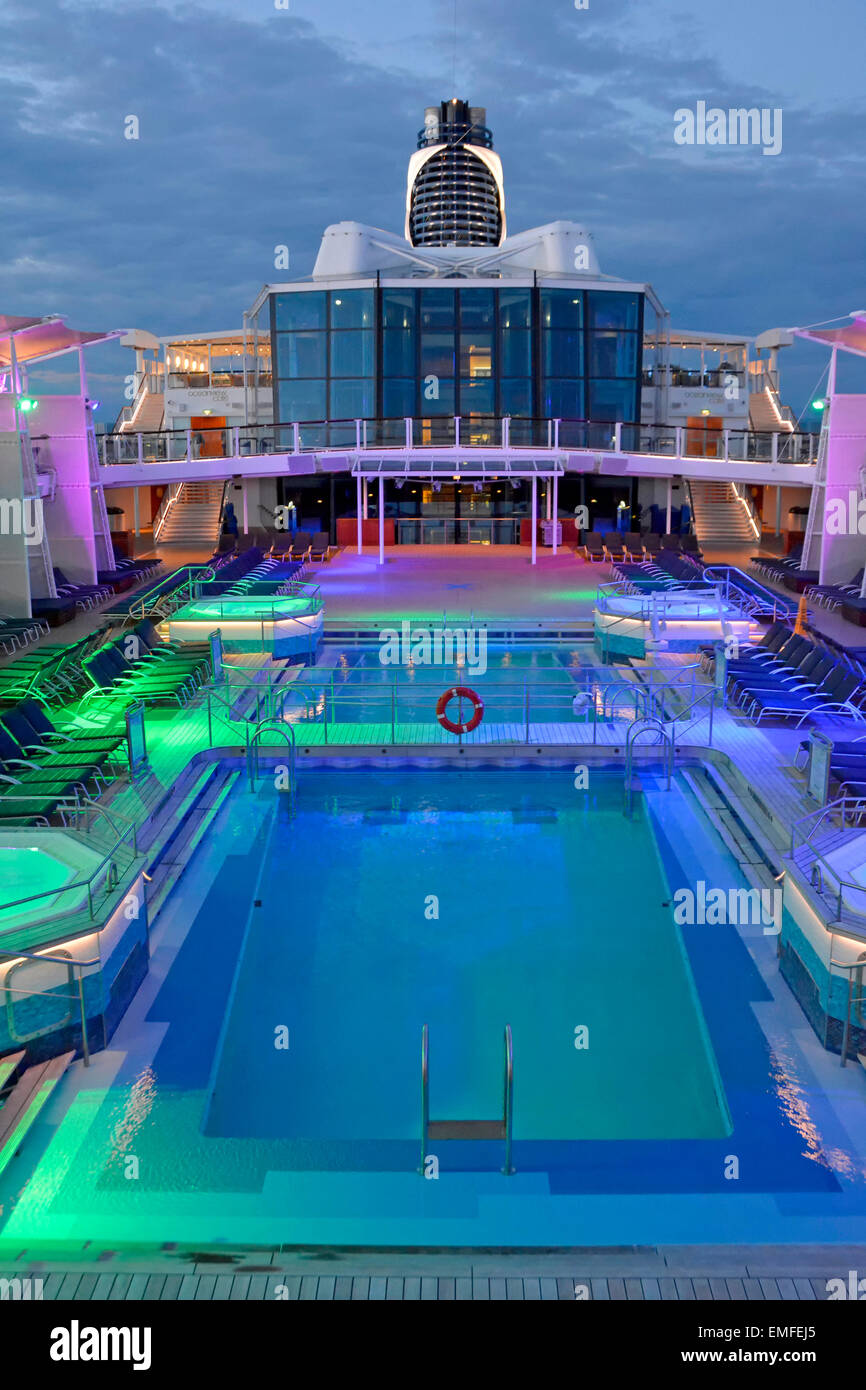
{"x": 846, "y": 866}
{"x": 44, "y": 863}
{"x": 283, "y": 624}
{"x": 675, "y": 620}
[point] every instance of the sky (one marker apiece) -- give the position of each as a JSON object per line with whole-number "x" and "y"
{"x": 261, "y": 122}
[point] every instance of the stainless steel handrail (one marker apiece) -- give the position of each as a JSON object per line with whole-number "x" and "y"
{"x": 859, "y": 999}
{"x": 509, "y": 1099}
{"x": 276, "y": 726}
{"x": 425, "y": 1096}
{"x": 71, "y": 964}
{"x": 645, "y": 726}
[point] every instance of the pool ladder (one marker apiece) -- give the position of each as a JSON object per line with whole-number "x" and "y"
{"x": 468, "y": 1129}
{"x": 661, "y": 735}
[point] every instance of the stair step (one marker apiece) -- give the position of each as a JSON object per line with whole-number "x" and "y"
{"x": 8, "y": 1065}
{"x": 25, "y": 1102}
{"x": 466, "y": 1129}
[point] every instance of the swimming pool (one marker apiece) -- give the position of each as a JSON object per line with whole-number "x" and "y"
{"x": 351, "y": 684}
{"x": 201, "y": 1126}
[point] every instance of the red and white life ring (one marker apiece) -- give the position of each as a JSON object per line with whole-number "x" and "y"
{"x": 460, "y": 692}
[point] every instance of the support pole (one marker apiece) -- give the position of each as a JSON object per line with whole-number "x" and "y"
{"x": 360, "y": 519}
{"x": 778, "y": 511}
{"x": 381, "y": 519}
{"x": 555, "y": 509}
{"x": 365, "y": 510}
{"x": 669, "y": 503}
{"x": 534, "y": 516}
{"x": 136, "y": 513}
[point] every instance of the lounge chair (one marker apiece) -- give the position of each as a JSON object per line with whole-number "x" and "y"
{"x": 593, "y": 546}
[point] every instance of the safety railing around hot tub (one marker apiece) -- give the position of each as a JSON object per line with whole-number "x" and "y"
{"x": 818, "y": 839}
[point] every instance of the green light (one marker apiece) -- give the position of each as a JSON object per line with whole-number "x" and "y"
{"x": 27, "y": 403}
{"x": 818, "y": 405}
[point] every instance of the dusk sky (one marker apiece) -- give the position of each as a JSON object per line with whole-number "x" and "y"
{"x": 261, "y": 125}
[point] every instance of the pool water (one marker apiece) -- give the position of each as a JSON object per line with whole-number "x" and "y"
{"x": 414, "y": 909}
{"x": 352, "y": 685}
{"x": 553, "y": 914}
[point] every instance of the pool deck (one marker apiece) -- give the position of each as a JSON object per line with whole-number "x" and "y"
{"x": 651, "y": 1274}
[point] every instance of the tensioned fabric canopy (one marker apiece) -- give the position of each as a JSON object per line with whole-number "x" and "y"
{"x": 851, "y": 337}
{"x": 37, "y": 340}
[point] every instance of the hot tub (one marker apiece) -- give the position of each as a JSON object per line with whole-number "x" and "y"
{"x": 283, "y": 624}
{"x": 668, "y": 620}
{"x": 49, "y": 863}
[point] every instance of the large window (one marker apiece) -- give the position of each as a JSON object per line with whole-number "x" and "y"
{"x": 435, "y": 350}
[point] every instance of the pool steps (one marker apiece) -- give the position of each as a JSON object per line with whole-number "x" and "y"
{"x": 25, "y": 1101}
{"x": 193, "y": 817}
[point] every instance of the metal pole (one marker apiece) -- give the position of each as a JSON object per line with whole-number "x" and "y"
{"x": 555, "y": 509}
{"x": 526, "y": 706}
{"x": 779, "y": 511}
{"x": 534, "y": 516}
{"x": 381, "y": 519}
{"x": 847, "y": 1018}
{"x": 85, "y": 1045}
{"x": 669, "y": 503}
{"x": 360, "y": 522}
{"x": 393, "y": 710}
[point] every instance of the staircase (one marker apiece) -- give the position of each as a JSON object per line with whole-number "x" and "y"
{"x": 767, "y": 413}
{"x": 720, "y": 518}
{"x": 147, "y": 413}
{"x": 194, "y": 516}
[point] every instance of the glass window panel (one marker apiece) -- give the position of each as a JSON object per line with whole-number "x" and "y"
{"x": 515, "y": 397}
{"x": 301, "y": 400}
{"x": 476, "y": 354}
{"x": 612, "y": 400}
{"x": 352, "y": 400}
{"x": 398, "y": 308}
{"x": 562, "y": 352}
{"x": 476, "y": 397}
{"x": 438, "y": 397}
{"x": 353, "y": 354}
{"x": 515, "y": 350}
{"x": 561, "y": 308}
{"x": 613, "y": 354}
{"x": 437, "y": 308}
{"x": 398, "y": 398}
{"x": 306, "y": 310}
{"x": 607, "y": 309}
{"x": 437, "y": 354}
{"x": 352, "y": 308}
{"x": 398, "y": 352}
{"x": 515, "y": 308}
{"x": 563, "y": 400}
{"x": 477, "y": 308}
{"x": 301, "y": 354}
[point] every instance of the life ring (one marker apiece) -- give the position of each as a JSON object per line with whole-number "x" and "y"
{"x": 455, "y": 693}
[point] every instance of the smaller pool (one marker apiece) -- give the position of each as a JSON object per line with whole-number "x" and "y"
{"x": 48, "y": 865}
{"x": 282, "y": 624}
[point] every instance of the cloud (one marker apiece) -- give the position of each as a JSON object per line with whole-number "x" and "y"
{"x": 260, "y": 127}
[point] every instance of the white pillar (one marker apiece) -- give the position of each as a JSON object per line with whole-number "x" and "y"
{"x": 555, "y": 509}
{"x": 245, "y": 506}
{"x": 381, "y": 519}
{"x": 670, "y": 500}
{"x": 360, "y": 518}
{"x": 534, "y": 516}
{"x": 549, "y": 499}
{"x": 365, "y": 509}
{"x": 778, "y": 511}
{"x": 136, "y": 516}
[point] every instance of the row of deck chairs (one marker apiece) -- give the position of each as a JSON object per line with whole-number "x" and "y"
{"x": 152, "y": 671}
{"x": 51, "y": 672}
{"x": 18, "y": 633}
{"x": 269, "y": 576}
{"x": 629, "y": 545}
{"x": 73, "y": 598}
{"x": 42, "y": 771}
{"x": 302, "y": 546}
{"x": 775, "y": 567}
{"x": 665, "y": 571}
{"x": 835, "y": 595}
{"x": 787, "y": 676}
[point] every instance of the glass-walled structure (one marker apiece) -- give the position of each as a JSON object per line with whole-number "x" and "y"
{"x": 477, "y": 351}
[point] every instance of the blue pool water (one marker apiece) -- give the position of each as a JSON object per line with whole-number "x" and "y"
{"x": 529, "y": 933}
{"x": 351, "y": 684}
{"x": 551, "y": 915}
